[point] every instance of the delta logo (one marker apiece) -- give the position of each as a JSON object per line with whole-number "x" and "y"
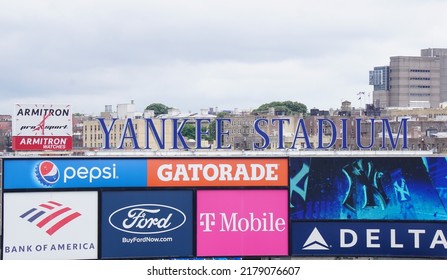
{"x": 50, "y": 216}
{"x": 47, "y": 173}
{"x": 387, "y": 239}
{"x": 315, "y": 241}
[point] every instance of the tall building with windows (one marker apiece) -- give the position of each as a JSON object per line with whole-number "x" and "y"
{"x": 411, "y": 81}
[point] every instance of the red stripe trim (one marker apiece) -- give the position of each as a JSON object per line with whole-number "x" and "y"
{"x": 62, "y": 223}
{"x": 52, "y": 216}
{"x": 55, "y": 203}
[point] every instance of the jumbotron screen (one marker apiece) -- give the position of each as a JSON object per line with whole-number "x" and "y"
{"x": 368, "y": 188}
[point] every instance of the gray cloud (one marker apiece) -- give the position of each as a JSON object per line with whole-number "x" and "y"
{"x": 199, "y": 54}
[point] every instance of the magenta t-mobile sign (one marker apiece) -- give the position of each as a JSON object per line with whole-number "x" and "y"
{"x": 242, "y": 223}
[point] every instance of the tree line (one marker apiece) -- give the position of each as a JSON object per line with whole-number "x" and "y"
{"x": 281, "y": 108}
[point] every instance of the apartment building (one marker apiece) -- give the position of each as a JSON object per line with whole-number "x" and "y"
{"x": 120, "y": 136}
{"x": 5, "y": 133}
{"x": 411, "y": 81}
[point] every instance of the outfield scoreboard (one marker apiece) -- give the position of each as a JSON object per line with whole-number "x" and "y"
{"x": 230, "y": 207}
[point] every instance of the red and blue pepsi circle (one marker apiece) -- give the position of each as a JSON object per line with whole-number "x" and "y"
{"x": 47, "y": 173}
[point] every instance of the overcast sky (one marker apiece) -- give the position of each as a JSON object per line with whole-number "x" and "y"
{"x": 199, "y": 54}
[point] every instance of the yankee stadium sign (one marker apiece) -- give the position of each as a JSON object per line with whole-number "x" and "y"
{"x": 389, "y": 136}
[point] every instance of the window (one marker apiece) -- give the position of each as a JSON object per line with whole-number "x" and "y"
{"x": 420, "y": 94}
{"x": 419, "y": 79}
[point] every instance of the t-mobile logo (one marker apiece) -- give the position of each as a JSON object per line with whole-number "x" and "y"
{"x": 207, "y": 220}
{"x": 266, "y": 222}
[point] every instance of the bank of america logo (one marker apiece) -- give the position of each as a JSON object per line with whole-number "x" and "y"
{"x": 315, "y": 241}
{"x": 50, "y": 216}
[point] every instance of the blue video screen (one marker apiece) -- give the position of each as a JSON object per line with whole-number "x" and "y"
{"x": 368, "y": 188}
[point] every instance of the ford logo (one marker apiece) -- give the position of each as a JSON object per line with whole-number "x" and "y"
{"x": 147, "y": 219}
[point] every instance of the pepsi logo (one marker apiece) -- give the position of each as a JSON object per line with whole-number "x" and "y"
{"x": 47, "y": 173}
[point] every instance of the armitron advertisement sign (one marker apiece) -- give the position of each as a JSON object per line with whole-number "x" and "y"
{"x": 42, "y": 127}
{"x": 225, "y": 172}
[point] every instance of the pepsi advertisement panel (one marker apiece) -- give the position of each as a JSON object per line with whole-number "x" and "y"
{"x": 368, "y": 188}
{"x": 147, "y": 224}
{"x": 375, "y": 239}
{"x": 73, "y": 173}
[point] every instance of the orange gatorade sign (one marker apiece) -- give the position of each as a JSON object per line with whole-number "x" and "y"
{"x": 218, "y": 172}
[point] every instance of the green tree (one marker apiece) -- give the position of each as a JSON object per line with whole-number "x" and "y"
{"x": 189, "y": 131}
{"x": 211, "y": 131}
{"x": 158, "y": 108}
{"x": 282, "y": 108}
{"x": 212, "y": 127}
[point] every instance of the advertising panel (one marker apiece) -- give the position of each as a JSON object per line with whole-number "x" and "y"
{"x": 242, "y": 223}
{"x": 145, "y": 224}
{"x": 50, "y": 225}
{"x": 38, "y": 127}
{"x": 371, "y": 188}
{"x": 378, "y": 239}
{"x": 218, "y": 172}
{"x": 73, "y": 173}
{"x": 42, "y": 143}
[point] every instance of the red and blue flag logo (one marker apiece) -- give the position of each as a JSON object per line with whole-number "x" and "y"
{"x": 50, "y": 216}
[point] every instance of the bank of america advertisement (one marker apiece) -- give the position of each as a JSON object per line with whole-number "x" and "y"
{"x": 147, "y": 224}
{"x": 242, "y": 223}
{"x": 42, "y": 127}
{"x": 371, "y": 188}
{"x": 218, "y": 172}
{"x": 379, "y": 239}
{"x": 50, "y": 225}
{"x": 73, "y": 173}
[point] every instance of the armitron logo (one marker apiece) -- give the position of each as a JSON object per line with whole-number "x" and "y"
{"x": 315, "y": 241}
{"x": 50, "y": 216}
{"x": 147, "y": 219}
{"x": 47, "y": 173}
